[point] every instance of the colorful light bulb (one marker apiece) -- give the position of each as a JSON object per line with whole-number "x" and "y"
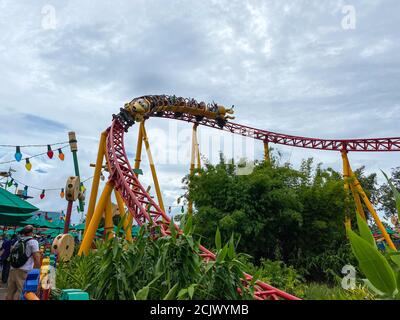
{"x": 83, "y": 189}
{"x": 18, "y": 154}
{"x": 43, "y": 194}
{"x": 50, "y": 152}
{"x": 28, "y": 165}
{"x": 61, "y": 155}
{"x": 62, "y": 193}
{"x": 25, "y": 191}
{"x": 10, "y": 183}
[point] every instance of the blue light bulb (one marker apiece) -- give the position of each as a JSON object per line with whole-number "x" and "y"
{"x": 18, "y": 154}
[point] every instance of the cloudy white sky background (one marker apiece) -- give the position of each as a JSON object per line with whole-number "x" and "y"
{"x": 287, "y": 66}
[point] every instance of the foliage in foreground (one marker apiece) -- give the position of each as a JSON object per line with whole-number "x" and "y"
{"x": 382, "y": 270}
{"x": 315, "y": 291}
{"x": 162, "y": 268}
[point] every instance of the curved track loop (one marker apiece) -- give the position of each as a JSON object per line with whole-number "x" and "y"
{"x": 144, "y": 209}
{"x": 355, "y": 145}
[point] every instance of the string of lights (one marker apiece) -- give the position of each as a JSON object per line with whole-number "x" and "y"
{"x": 28, "y": 165}
{"x": 17, "y": 183}
{"x": 33, "y": 145}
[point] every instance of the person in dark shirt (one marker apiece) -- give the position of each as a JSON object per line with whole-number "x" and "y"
{"x": 4, "y": 254}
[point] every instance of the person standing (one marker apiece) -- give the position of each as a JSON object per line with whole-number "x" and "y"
{"x": 4, "y": 254}
{"x": 24, "y": 257}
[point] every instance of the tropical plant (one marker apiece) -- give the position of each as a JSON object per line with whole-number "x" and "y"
{"x": 156, "y": 268}
{"x": 382, "y": 270}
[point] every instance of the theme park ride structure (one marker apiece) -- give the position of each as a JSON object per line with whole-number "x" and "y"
{"x": 129, "y": 192}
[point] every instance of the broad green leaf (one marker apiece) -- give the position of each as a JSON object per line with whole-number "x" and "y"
{"x": 365, "y": 231}
{"x": 231, "y": 248}
{"x": 396, "y": 193}
{"x": 182, "y": 293}
{"x": 191, "y": 291}
{"x": 171, "y": 293}
{"x": 394, "y": 256}
{"x": 172, "y": 229}
{"x": 373, "y": 264}
{"x": 222, "y": 254}
{"x": 218, "y": 239}
{"x": 188, "y": 225}
{"x": 143, "y": 293}
{"x": 372, "y": 288}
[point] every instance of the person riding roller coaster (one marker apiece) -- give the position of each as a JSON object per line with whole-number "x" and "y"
{"x": 141, "y": 108}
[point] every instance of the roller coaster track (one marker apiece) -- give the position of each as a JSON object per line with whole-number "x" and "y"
{"x": 354, "y": 145}
{"x": 145, "y": 210}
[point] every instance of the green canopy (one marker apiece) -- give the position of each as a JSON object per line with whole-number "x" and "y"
{"x": 58, "y": 224}
{"x": 13, "y": 219}
{"x": 8, "y": 232}
{"x": 11, "y": 203}
{"x": 79, "y": 227}
{"x": 38, "y": 222}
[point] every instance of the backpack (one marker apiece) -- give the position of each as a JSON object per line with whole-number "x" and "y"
{"x": 18, "y": 255}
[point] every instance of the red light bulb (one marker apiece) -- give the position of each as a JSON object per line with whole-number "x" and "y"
{"x": 50, "y": 152}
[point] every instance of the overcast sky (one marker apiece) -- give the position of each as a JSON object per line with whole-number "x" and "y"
{"x": 298, "y": 67}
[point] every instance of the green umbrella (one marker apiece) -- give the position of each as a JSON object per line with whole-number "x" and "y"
{"x": 13, "y": 219}
{"x": 11, "y": 203}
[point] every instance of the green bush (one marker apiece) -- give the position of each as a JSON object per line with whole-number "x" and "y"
{"x": 279, "y": 275}
{"x": 327, "y": 266}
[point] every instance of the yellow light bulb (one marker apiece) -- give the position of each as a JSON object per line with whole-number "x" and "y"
{"x": 28, "y": 165}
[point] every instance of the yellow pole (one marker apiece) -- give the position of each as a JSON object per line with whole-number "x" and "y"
{"x": 266, "y": 152}
{"x": 368, "y": 204}
{"x": 192, "y": 164}
{"x": 152, "y": 168}
{"x": 126, "y": 216}
{"x": 139, "y": 147}
{"x": 94, "y": 222}
{"x": 346, "y": 184}
{"x": 350, "y": 185}
{"x": 96, "y": 179}
{"x": 108, "y": 221}
{"x": 371, "y": 209}
{"x": 197, "y": 148}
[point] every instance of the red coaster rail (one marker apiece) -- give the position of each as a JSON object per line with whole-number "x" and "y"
{"x": 145, "y": 210}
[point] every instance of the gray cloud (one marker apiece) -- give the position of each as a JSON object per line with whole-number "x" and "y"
{"x": 287, "y": 66}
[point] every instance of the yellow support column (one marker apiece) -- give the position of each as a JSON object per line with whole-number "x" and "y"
{"x": 371, "y": 209}
{"x": 266, "y": 152}
{"x": 152, "y": 168}
{"x": 108, "y": 221}
{"x": 96, "y": 179}
{"x": 197, "y": 148}
{"x": 139, "y": 146}
{"x": 94, "y": 222}
{"x": 359, "y": 190}
{"x": 126, "y": 216}
{"x": 193, "y": 163}
{"x": 356, "y": 195}
{"x": 346, "y": 184}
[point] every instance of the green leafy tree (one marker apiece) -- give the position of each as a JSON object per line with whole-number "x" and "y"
{"x": 278, "y": 212}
